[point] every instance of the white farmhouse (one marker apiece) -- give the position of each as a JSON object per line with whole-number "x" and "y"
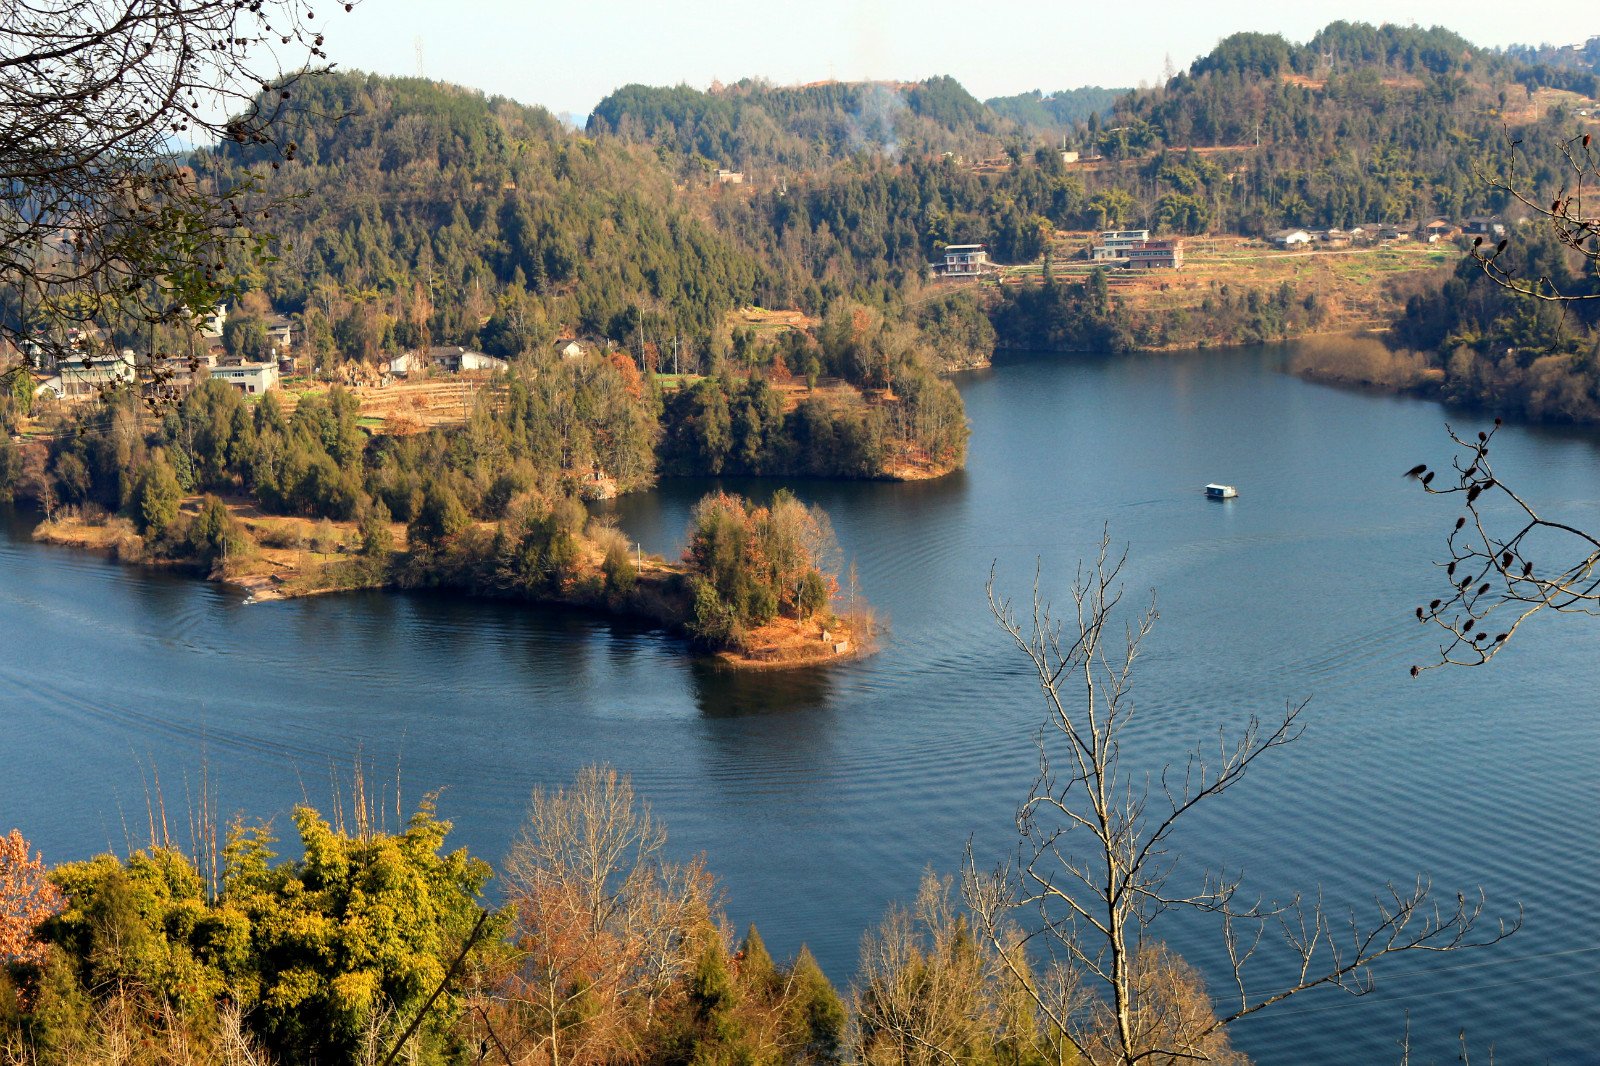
{"x": 252, "y": 379}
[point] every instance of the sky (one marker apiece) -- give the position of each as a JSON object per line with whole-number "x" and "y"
{"x": 567, "y": 56}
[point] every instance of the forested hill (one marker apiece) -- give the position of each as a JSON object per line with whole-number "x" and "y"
{"x": 434, "y": 214}
{"x": 1584, "y": 57}
{"x": 754, "y": 124}
{"x": 1359, "y": 124}
{"x": 1060, "y": 111}
{"x": 436, "y": 208}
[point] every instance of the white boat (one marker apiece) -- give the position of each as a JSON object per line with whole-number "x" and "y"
{"x": 1221, "y": 492}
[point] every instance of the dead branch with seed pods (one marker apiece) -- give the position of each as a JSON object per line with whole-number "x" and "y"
{"x": 1571, "y": 217}
{"x": 118, "y": 207}
{"x": 1506, "y": 562}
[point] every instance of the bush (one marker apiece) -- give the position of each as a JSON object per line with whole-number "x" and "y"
{"x": 441, "y": 518}
{"x": 813, "y": 593}
{"x": 570, "y": 515}
{"x": 621, "y": 574}
{"x": 325, "y": 538}
{"x": 10, "y": 468}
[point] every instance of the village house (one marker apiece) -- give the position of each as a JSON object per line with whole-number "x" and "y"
{"x": 454, "y": 359}
{"x": 965, "y": 260}
{"x": 730, "y": 177}
{"x": 280, "y": 330}
{"x": 1439, "y": 229}
{"x": 252, "y": 379}
{"x": 1395, "y": 233}
{"x": 403, "y": 364}
{"x": 1364, "y": 231}
{"x": 1332, "y": 238}
{"x": 75, "y": 381}
{"x": 1156, "y": 255}
{"x": 177, "y": 376}
{"x": 1485, "y": 226}
{"x": 568, "y": 349}
{"x": 1290, "y": 238}
{"x": 1115, "y": 243}
{"x": 211, "y": 325}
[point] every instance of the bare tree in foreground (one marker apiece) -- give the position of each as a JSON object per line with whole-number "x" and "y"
{"x": 1093, "y": 869}
{"x": 604, "y": 926}
{"x": 101, "y": 221}
{"x": 1573, "y": 224}
{"x": 1494, "y": 582}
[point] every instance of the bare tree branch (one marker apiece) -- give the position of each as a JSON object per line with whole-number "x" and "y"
{"x": 1094, "y": 870}
{"x": 1505, "y": 564}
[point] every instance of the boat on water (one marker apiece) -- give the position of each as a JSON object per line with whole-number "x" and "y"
{"x": 1221, "y": 492}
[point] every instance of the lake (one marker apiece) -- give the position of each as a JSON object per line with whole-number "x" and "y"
{"x": 819, "y": 797}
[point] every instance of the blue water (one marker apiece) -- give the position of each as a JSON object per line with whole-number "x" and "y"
{"x": 819, "y": 797}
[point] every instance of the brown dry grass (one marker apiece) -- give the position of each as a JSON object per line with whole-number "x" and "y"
{"x": 1360, "y": 287}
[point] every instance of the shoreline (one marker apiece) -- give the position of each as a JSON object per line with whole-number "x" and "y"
{"x": 657, "y": 599}
{"x": 1206, "y": 346}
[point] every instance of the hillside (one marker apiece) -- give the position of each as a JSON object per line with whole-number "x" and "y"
{"x": 431, "y": 214}
{"x": 435, "y": 208}
{"x": 1056, "y": 112}
{"x": 754, "y": 125}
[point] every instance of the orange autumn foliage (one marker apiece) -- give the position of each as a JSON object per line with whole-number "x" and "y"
{"x": 630, "y": 373}
{"x": 26, "y": 899}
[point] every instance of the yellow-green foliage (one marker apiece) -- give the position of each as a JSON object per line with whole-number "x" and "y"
{"x": 322, "y": 954}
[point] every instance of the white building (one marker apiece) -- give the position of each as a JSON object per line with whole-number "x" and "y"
{"x": 252, "y": 379}
{"x": 280, "y": 330}
{"x": 211, "y": 324}
{"x": 453, "y": 359}
{"x": 1290, "y": 238}
{"x": 73, "y": 380}
{"x": 965, "y": 260}
{"x": 1117, "y": 243}
{"x": 479, "y": 361}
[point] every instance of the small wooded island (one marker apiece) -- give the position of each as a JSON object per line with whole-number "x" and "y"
{"x": 294, "y": 505}
{"x": 755, "y": 586}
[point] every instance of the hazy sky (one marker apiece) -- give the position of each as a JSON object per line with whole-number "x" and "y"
{"x": 567, "y": 56}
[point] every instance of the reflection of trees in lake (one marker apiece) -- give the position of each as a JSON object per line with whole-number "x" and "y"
{"x": 722, "y": 691}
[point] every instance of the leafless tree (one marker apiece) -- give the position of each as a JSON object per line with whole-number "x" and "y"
{"x": 922, "y": 996}
{"x": 1507, "y": 561}
{"x": 604, "y": 926}
{"x": 1093, "y": 870}
{"x": 1571, "y": 217}
{"x": 1494, "y": 581}
{"x": 105, "y": 217}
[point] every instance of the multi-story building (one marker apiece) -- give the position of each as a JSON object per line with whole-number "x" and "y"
{"x": 1115, "y": 243}
{"x": 249, "y": 378}
{"x": 965, "y": 260}
{"x": 1156, "y": 255}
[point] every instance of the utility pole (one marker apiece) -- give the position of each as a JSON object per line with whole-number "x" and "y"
{"x": 418, "y": 42}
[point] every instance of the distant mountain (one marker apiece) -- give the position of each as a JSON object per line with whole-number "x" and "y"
{"x": 435, "y": 213}
{"x": 1060, "y": 110}
{"x": 754, "y": 124}
{"x": 1584, "y": 57}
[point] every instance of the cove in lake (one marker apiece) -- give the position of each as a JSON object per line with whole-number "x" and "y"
{"x": 819, "y": 796}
